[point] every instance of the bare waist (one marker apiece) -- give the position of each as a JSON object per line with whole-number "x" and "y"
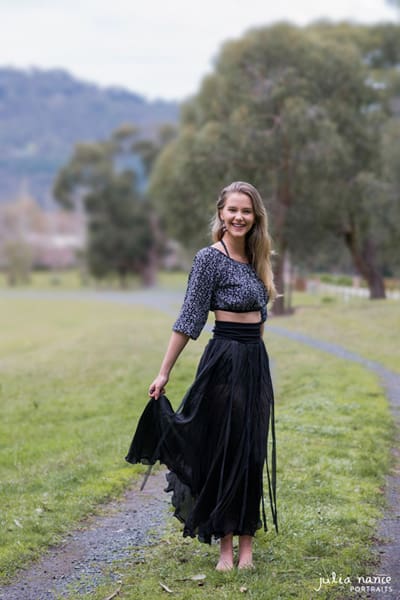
{"x": 253, "y": 316}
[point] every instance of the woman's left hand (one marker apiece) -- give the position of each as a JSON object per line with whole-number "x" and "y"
{"x": 157, "y": 388}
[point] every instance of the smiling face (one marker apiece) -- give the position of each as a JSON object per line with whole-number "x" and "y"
{"x": 237, "y": 214}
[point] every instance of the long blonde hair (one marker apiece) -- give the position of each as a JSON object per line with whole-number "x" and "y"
{"x": 258, "y": 240}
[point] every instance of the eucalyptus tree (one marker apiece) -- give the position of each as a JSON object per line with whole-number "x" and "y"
{"x": 379, "y": 47}
{"x": 294, "y": 114}
{"x": 390, "y": 148}
{"x": 102, "y": 176}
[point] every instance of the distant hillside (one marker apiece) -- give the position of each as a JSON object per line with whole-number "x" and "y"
{"x": 43, "y": 113}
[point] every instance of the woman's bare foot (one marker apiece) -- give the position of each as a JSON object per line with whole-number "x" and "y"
{"x": 225, "y": 562}
{"x": 245, "y": 552}
{"x": 224, "y": 565}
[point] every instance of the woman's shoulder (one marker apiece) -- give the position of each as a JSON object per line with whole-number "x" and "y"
{"x": 206, "y": 255}
{"x": 205, "y": 262}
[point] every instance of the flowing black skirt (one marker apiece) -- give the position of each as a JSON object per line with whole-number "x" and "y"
{"x": 215, "y": 444}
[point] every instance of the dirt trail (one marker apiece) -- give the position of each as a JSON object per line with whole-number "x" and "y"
{"x": 93, "y": 552}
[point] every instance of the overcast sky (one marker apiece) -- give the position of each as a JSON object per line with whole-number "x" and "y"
{"x": 157, "y": 48}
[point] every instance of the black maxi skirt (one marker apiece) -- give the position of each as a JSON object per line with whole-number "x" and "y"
{"x": 215, "y": 444}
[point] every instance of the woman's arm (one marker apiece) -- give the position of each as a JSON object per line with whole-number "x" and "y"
{"x": 176, "y": 344}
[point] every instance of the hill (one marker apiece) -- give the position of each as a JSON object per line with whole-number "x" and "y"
{"x": 44, "y": 113}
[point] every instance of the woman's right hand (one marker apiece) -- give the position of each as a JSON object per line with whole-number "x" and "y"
{"x": 157, "y": 388}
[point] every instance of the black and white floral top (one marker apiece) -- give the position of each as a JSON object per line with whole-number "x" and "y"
{"x": 218, "y": 282}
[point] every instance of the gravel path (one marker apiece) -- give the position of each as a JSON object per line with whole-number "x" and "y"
{"x": 81, "y": 560}
{"x": 92, "y": 553}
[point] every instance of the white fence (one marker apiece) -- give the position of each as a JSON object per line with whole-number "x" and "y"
{"x": 315, "y": 287}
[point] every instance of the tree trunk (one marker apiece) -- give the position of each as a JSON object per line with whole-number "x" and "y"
{"x": 364, "y": 260}
{"x": 279, "y": 304}
{"x": 283, "y": 204}
{"x": 122, "y": 276}
{"x": 287, "y": 282}
{"x": 148, "y": 271}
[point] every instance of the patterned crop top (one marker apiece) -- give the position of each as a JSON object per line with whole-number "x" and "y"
{"x": 218, "y": 282}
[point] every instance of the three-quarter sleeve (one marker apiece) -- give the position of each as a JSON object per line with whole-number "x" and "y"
{"x": 196, "y": 305}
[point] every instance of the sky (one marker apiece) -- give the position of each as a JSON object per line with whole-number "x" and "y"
{"x": 156, "y": 48}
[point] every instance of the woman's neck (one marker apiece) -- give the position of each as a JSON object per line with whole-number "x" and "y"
{"x": 236, "y": 246}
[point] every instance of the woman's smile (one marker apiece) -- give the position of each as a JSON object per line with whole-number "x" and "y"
{"x": 241, "y": 228}
{"x": 239, "y": 225}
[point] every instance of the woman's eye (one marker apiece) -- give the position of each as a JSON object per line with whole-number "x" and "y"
{"x": 231, "y": 209}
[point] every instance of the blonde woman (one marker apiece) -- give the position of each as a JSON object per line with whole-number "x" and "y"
{"x": 215, "y": 444}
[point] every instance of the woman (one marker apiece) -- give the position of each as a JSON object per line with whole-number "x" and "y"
{"x": 215, "y": 444}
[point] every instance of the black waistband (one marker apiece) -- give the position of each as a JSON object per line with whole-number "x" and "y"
{"x": 240, "y": 332}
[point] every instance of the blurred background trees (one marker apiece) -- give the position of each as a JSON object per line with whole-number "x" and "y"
{"x": 310, "y": 115}
{"x": 102, "y": 178}
{"x": 301, "y": 114}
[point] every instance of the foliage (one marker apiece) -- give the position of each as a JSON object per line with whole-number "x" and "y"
{"x": 101, "y": 175}
{"x": 18, "y": 255}
{"x": 294, "y": 112}
{"x": 336, "y": 279}
{"x": 390, "y": 152}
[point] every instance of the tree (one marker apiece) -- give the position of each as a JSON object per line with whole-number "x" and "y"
{"x": 17, "y": 220}
{"x": 101, "y": 176}
{"x": 294, "y": 114}
{"x": 379, "y": 46}
{"x": 390, "y": 152}
{"x": 18, "y": 257}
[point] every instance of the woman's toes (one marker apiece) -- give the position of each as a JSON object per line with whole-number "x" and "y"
{"x": 246, "y": 565}
{"x": 224, "y": 565}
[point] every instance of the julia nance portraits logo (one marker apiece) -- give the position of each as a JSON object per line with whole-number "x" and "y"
{"x": 357, "y": 583}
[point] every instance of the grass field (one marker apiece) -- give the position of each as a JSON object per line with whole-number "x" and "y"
{"x": 333, "y": 435}
{"x": 74, "y": 378}
{"x": 68, "y": 279}
{"x": 72, "y": 279}
{"x": 368, "y": 327}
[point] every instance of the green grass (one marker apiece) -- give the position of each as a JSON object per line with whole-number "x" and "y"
{"x": 333, "y": 434}
{"x": 74, "y": 379}
{"x": 368, "y": 327}
{"x": 73, "y": 279}
{"x": 63, "y": 280}
{"x": 364, "y": 326}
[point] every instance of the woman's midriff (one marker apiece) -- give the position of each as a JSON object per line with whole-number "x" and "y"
{"x": 236, "y": 317}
